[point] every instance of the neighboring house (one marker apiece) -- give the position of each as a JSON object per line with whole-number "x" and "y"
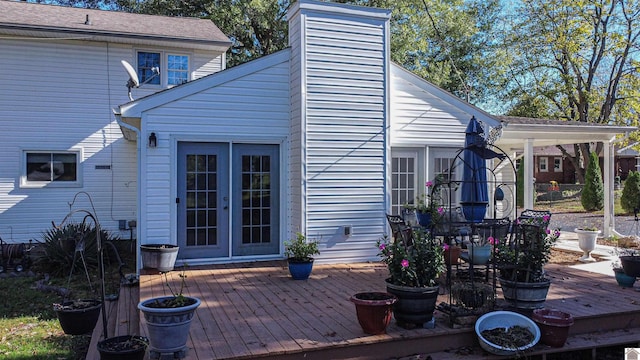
{"x": 61, "y": 78}
{"x": 324, "y": 137}
{"x": 551, "y": 165}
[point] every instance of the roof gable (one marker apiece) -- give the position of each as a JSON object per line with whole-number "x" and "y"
{"x": 135, "y": 108}
{"x": 445, "y": 96}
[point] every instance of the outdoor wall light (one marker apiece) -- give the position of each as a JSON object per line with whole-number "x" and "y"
{"x": 153, "y": 141}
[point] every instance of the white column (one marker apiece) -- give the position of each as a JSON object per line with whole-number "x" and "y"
{"x": 609, "y": 210}
{"x": 528, "y": 174}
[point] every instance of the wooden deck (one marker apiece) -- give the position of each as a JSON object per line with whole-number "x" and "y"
{"x": 255, "y": 310}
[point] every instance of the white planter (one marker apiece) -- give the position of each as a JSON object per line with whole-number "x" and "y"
{"x": 587, "y": 242}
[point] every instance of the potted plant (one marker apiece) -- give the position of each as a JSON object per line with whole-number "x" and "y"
{"x": 374, "y": 310}
{"x": 414, "y": 266}
{"x": 168, "y": 319}
{"x": 299, "y": 256}
{"x": 78, "y": 317}
{"x": 520, "y": 263}
{"x": 428, "y": 209}
{"x": 159, "y": 256}
{"x": 125, "y": 347}
{"x": 587, "y": 237}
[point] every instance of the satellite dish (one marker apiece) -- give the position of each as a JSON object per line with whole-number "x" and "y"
{"x": 133, "y": 77}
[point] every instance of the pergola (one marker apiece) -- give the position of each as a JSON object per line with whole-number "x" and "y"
{"x": 523, "y": 134}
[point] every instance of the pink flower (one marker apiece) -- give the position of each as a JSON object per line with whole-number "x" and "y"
{"x": 440, "y": 210}
{"x": 445, "y": 246}
{"x": 556, "y": 233}
{"x": 546, "y": 218}
{"x": 548, "y": 231}
{"x": 405, "y": 263}
{"x": 429, "y": 184}
{"x": 492, "y": 241}
{"x": 382, "y": 247}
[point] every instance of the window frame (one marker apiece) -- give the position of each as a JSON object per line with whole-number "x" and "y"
{"x": 543, "y": 160}
{"x": 24, "y": 183}
{"x": 559, "y": 163}
{"x": 396, "y": 208}
{"x": 164, "y": 66}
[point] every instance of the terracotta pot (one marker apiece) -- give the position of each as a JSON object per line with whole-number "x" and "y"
{"x": 554, "y": 326}
{"x": 374, "y": 310}
{"x": 452, "y": 255}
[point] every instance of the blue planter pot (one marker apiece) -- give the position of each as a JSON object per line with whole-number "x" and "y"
{"x": 300, "y": 270}
{"x": 474, "y": 212}
{"x": 424, "y": 218}
{"x": 624, "y": 280}
{"x": 480, "y": 255}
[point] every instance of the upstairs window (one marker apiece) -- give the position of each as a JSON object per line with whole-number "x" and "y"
{"x": 173, "y": 69}
{"x": 557, "y": 164}
{"x": 543, "y": 165}
{"x": 146, "y": 63}
{"x": 177, "y": 69}
{"x": 44, "y": 168}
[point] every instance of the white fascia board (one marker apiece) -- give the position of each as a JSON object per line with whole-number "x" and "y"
{"x": 446, "y": 96}
{"x": 135, "y": 108}
{"x": 335, "y": 8}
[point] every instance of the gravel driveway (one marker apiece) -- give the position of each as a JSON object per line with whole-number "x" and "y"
{"x": 625, "y": 225}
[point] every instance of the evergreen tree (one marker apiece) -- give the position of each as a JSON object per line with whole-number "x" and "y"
{"x": 630, "y": 199}
{"x": 593, "y": 191}
{"x": 520, "y": 184}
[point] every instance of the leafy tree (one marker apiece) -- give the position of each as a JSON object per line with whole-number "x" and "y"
{"x": 630, "y": 198}
{"x": 593, "y": 192}
{"x": 575, "y": 60}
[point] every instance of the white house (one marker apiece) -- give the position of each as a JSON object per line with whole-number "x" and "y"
{"x": 301, "y": 140}
{"x": 324, "y": 137}
{"x": 61, "y": 77}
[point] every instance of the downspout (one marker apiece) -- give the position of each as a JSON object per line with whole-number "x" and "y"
{"x": 138, "y": 173}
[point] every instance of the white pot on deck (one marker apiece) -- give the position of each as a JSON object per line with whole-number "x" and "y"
{"x": 587, "y": 242}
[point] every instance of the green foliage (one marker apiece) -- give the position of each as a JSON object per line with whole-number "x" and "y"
{"x": 520, "y": 184}
{"x": 592, "y": 197}
{"x": 300, "y": 249}
{"x": 526, "y": 263}
{"x": 630, "y": 198}
{"x": 418, "y": 263}
{"x": 574, "y": 60}
{"x": 30, "y": 327}
{"x": 55, "y": 252}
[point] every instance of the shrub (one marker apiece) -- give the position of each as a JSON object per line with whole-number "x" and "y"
{"x": 593, "y": 192}
{"x": 630, "y": 198}
{"x": 56, "y": 252}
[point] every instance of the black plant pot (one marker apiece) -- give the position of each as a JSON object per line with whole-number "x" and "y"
{"x": 79, "y": 321}
{"x": 631, "y": 265}
{"x": 126, "y": 347}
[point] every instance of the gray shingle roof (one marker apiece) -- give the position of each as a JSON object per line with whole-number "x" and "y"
{"x": 17, "y": 15}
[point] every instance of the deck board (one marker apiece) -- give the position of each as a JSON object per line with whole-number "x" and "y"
{"x": 255, "y": 310}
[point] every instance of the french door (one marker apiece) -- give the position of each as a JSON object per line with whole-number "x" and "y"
{"x": 228, "y": 200}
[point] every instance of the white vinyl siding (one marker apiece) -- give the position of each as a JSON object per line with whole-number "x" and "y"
{"x": 345, "y": 69}
{"x": 59, "y": 95}
{"x": 217, "y": 114}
